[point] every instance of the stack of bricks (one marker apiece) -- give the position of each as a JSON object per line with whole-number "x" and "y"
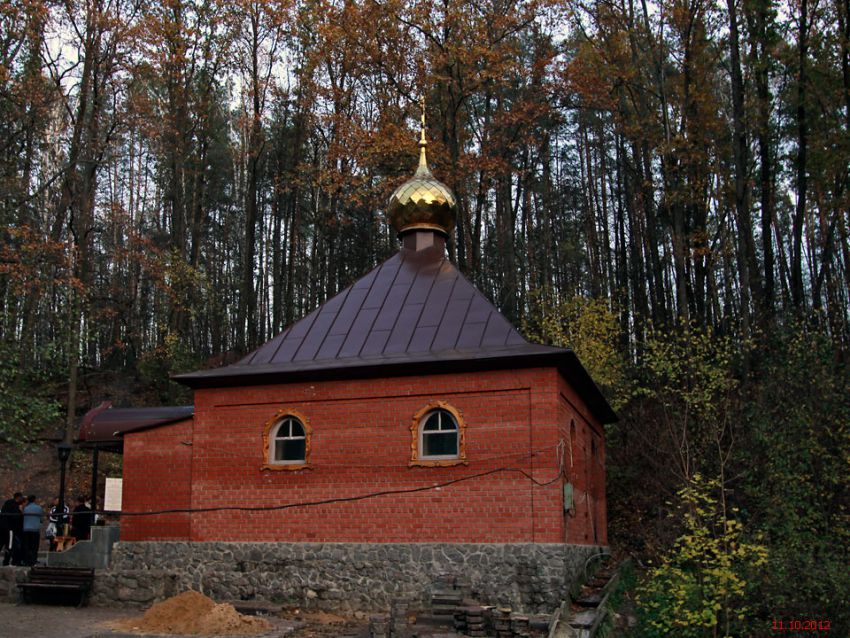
{"x": 471, "y": 621}
{"x": 460, "y": 619}
{"x": 379, "y": 627}
{"x": 502, "y": 622}
{"x": 445, "y": 603}
{"x": 520, "y": 627}
{"x": 447, "y": 599}
{"x": 398, "y": 618}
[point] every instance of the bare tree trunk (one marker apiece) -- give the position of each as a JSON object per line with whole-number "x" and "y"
{"x": 750, "y": 278}
{"x": 757, "y": 20}
{"x": 843, "y": 11}
{"x": 587, "y": 178}
{"x": 797, "y": 293}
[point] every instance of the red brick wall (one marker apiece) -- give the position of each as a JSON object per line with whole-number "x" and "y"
{"x": 587, "y": 521}
{"x": 157, "y": 475}
{"x": 361, "y": 444}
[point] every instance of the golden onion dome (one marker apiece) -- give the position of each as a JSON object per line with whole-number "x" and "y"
{"x": 423, "y": 202}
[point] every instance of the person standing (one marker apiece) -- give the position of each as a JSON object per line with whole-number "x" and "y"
{"x": 33, "y": 513}
{"x": 81, "y": 520}
{"x": 56, "y": 522}
{"x": 11, "y": 528}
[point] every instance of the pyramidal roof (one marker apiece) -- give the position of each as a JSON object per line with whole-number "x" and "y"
{"x": 413, "y": 314}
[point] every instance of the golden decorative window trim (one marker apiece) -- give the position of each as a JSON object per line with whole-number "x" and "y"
{"x": 267, "y": 451}
{"x": 418, "y": 421}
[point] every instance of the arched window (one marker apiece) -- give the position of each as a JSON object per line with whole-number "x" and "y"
{"x": 572, "y": 441}
{"x": 290, "y": 442}
{"x": 287, "y": 441}
{"x": 438, "y": 436}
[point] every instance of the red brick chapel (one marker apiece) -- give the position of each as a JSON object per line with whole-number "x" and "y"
{"x": 406, "y": 409}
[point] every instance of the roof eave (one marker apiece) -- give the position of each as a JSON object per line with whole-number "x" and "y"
{"x": 565, "y": 360}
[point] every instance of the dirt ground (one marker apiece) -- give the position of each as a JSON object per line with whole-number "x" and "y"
{"x": 49, "y": 621}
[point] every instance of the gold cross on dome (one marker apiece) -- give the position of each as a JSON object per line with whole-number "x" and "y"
{"x": 422, "y": 119}
{"x": 423, "y": 161}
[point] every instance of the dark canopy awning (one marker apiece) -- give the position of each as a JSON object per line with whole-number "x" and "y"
{"x": 104, "y": 426}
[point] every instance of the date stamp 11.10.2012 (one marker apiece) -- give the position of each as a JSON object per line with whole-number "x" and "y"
{"x": 800, "y": 625}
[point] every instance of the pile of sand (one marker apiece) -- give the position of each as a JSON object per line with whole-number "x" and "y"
{"x": 191, "y": 613}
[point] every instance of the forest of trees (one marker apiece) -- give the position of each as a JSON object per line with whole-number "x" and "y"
{"x": 664, "y": 187}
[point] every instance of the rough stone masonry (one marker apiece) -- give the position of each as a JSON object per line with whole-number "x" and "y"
{"x": 529, "y": 577}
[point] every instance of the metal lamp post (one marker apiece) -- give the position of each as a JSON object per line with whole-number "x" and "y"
{"x": 64, "y": 452}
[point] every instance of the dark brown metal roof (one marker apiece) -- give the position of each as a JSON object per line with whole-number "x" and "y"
{"x": 414, "y": 313}
{"x": 104, "y": 425}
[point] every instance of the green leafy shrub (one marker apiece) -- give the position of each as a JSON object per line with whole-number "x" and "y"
{"x": 701, "y": 586}
{"x": 592, "y": 331}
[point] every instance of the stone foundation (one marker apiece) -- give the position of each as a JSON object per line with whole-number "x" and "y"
{"x": 531, "y": 578}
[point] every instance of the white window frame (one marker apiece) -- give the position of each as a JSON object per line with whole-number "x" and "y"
{"x": 442, "y": 412}
{"x": 275, "y": 437}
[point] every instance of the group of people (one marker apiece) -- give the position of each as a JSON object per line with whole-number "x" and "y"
{"x": 21, "y": 521}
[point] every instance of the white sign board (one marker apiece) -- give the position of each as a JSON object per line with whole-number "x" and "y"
{"x": 112, "y": 496}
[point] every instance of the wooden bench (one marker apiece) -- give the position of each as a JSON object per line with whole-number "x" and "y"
{"x": 57, "y": 584}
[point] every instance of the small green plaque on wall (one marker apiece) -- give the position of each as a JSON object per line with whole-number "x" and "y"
{"x": 568, "y": 497}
